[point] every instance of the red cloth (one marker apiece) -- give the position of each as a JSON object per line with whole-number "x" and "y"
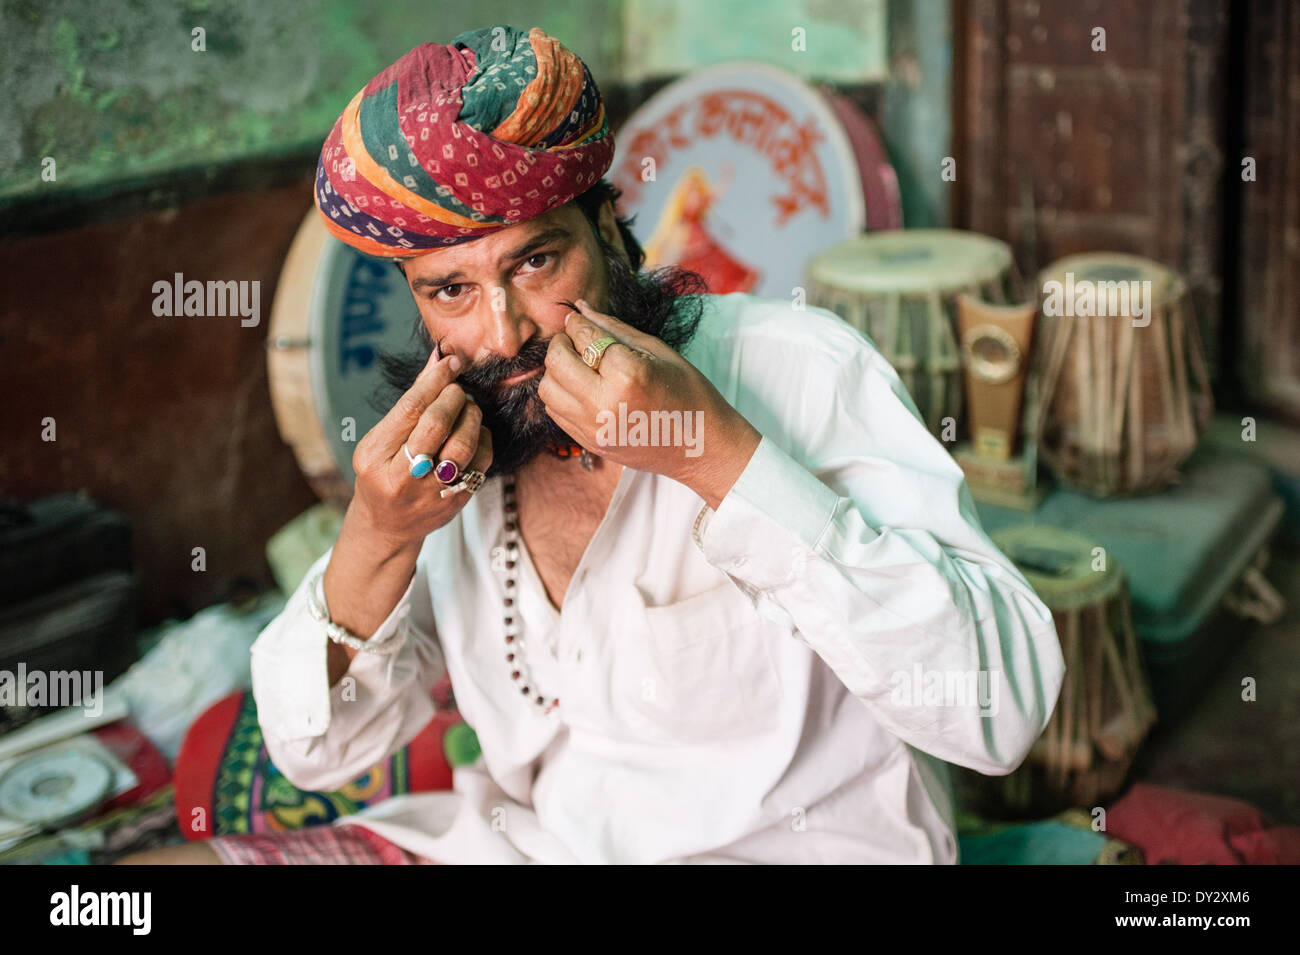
{"x": 132, "y": 747}
{"x": 1187, "y": 828}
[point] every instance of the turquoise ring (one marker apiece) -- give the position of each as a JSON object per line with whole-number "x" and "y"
{"x": 421, "y": 464}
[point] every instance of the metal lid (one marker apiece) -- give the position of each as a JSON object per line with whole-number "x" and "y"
{"x": 54, "y": 789}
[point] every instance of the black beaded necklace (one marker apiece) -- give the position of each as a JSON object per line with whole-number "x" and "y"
{"x": 519, "y": 671}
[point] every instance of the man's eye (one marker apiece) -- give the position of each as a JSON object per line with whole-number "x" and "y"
{"x": 455, "y": 294}
{"x": 536, "y": 266}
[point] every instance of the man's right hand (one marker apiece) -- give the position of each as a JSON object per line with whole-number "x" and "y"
{"x": 435, "y": 417}
{"x": 392, "y": 512}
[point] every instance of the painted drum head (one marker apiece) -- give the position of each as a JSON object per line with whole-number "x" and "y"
{"x": 741, "y": 172}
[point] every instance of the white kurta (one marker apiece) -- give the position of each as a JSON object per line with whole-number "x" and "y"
{"x": 765, "y": 692}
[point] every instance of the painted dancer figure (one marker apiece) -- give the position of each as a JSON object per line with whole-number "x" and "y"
{"x": 666, "y": 657}
{"x": 682, "y": 238}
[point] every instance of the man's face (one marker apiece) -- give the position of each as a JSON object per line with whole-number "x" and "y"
{"x": 497, "y": 301}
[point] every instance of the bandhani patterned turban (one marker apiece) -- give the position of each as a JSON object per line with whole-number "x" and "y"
{"x": 455, "y": 142}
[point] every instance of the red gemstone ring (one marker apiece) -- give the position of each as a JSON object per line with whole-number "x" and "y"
{"x": 446, "y": 472}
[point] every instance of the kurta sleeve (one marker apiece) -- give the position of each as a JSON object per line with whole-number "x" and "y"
{"x": 853, "y": 526}
{"x": 323, "y": 737}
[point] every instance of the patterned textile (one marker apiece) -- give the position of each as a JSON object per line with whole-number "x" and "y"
{"x": 322, "y": 845}
{"x": 226, "y": 782}
{"x": 454, "y": 142}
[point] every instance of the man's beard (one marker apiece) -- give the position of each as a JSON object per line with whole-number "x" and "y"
{"x": 665, "y": 303}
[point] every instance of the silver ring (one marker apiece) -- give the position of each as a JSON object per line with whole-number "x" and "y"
{"x": 421, "y": 464}
{"x": 469, "y": 481}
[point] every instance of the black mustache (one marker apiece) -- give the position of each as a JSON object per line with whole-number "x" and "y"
{"x": 492, "y": 371}
{"x": 531, "y": 356}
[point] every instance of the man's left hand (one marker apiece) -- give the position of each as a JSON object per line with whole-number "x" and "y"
{"x": 644, "y": 406}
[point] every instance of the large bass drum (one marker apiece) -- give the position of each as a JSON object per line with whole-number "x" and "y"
{"x": 335, "y": 310}
{"x": 741, "y": 172}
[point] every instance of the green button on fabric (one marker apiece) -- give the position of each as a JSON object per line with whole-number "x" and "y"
{"x": 460, "y": 743}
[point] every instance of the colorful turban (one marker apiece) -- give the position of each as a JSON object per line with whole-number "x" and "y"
{"x": 454, "y": 142}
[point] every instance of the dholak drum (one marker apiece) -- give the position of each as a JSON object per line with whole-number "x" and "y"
{"x": 335, "y": 310}
{"x": 1124, "y": 396}
{"x": 900, "y": 289}
{"x": 1104, "y": 710}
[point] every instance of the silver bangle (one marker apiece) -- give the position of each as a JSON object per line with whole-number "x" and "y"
{"x": 339, "y": 634}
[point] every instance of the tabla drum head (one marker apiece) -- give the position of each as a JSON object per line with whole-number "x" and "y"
{"x": 1066, "y": 571}
{"x": 1106, "y": 269}
{"x": 912, "y": 261}
{"x": 741, "y": 172}
{"x": 54, "y": 789}
{"x": 335, "y": 310}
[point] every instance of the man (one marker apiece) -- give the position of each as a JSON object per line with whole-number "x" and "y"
{"x": 687, "y": 559}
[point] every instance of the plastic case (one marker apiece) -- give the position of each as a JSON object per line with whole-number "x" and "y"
{"x": 1193, "y": 554}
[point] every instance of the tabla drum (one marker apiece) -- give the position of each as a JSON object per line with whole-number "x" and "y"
{"x": 900, "y": 289}
{"x": 1125, "y": 392}
{"x": 1104, "y": 710}
{"x": 335, "y": 310}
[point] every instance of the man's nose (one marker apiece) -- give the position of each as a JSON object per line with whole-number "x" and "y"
{"x": 508, "y": 325}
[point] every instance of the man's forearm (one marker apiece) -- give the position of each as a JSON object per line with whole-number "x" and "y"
{"x": 718, "y": 472}
{"x": 365, "y": 579}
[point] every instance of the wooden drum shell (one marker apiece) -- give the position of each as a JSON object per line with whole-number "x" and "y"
{"x": 335, "y": 312}
{"x": 1104, "y": 710}
{"x": 289, "y": 369}
{"x": 900, "y": 289}
{"x": 1122, "y": 406}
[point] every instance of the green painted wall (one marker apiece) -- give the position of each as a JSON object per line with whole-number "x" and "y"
{"x": 842, "y": 40}
{"x": 917, "y": 110}
{"x": 113, "y": 91}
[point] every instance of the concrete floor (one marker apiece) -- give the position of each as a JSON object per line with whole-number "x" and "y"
{"x": 1225, "y": 746}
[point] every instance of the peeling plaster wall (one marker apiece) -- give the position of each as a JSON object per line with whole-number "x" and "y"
{"x": 111, "y": 89}
{"x": 842, "y": 41}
